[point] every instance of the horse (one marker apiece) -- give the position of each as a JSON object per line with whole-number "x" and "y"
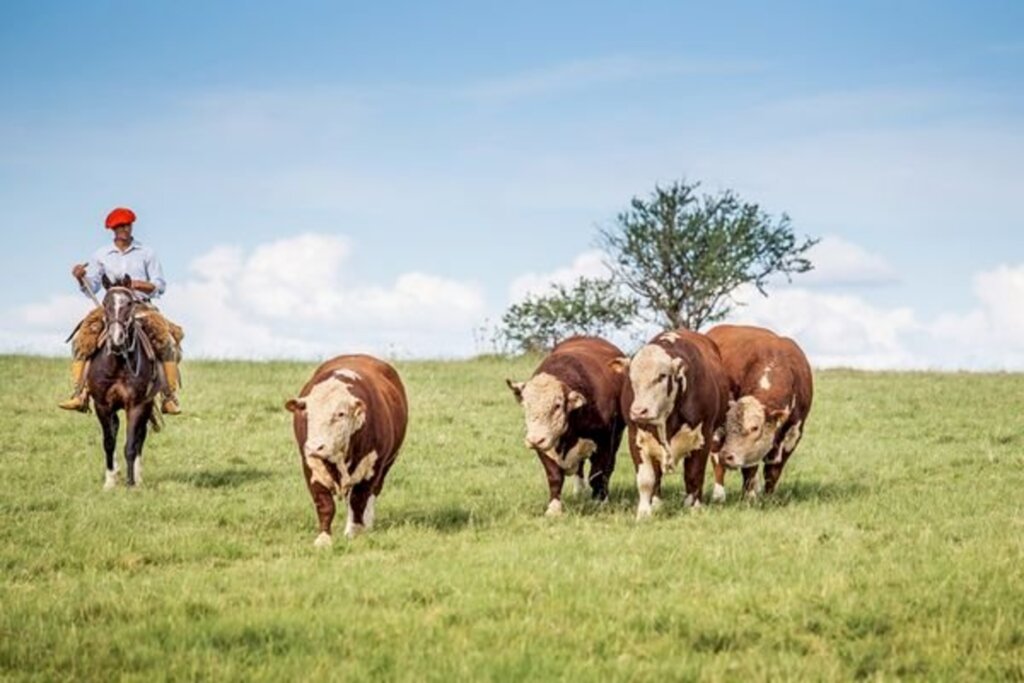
{"x": 124, "y": 375}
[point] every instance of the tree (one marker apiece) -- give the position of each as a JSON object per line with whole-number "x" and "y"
{"x": 588, "y": 306}
{"x": 684, "y": 255}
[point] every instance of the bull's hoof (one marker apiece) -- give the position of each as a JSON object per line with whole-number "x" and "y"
{"x": 554, "y": 509}
{"x": 323, "y": 540}
{"x": 644, "y": 512}
{"x": 718, "y": 494}
{"x": 750, "y": 495}
{"x": 691, "y": 501}
{"x": 352, "y": 530}
{"x": 110, "y": 481}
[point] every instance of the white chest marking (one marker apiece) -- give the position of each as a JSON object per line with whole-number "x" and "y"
{"x": 319, "y": 473}
{"x": 682, "y": 443}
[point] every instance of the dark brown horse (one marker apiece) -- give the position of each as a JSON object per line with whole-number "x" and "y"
{"x": 123, "y": 375}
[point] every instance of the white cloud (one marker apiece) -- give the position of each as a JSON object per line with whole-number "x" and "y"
{"x": 842, "y": 329}
{"x": 846, "y": 330}
{"x": 290, "y": 298}
{"x": 840, "y": 262}
{"x": 990, "y": 336}
{"x": 588, "y": 264}
{"x": 833, "y": 329}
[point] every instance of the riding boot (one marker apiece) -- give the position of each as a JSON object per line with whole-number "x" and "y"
{"x": 171, "y": 406}
{"x": 80, "y": 399}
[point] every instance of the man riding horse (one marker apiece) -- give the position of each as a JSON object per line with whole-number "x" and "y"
{"x": 126, "y": 256}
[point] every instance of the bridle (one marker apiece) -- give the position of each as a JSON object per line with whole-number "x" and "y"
{"x": 131, "y": 334}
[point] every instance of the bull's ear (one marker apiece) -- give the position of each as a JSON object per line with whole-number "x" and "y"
{"x": 777, "y": 416}
{"x": 619, "y": 365}
{"x": 294, "y": 405}
{"x": 106, "y": 281}
{"x": 517, "y": 389}
{"x": 575, "y": 400}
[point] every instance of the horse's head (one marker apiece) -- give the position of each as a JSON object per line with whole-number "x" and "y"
{"x": 119, "y": 312}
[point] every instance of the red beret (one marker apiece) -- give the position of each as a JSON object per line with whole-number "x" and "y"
{"x": 119, "y": 216}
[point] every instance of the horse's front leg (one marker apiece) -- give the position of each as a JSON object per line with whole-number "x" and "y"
{"x": 138, "y": 423}
{"x": 110, "y": 424}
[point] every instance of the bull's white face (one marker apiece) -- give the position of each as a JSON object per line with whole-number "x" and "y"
{"x": 333, "y": 416}
{"x": 657, "y": 380}
{"x": 546, "y": 403}
{"x": 749, "y": 432}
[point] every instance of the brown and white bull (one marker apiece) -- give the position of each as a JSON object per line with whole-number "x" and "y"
{"x": 349, "y": 422}
{"x": 675, "y": 403}
{"x": 771, "y": 390}
{"x": 571, "y": 406}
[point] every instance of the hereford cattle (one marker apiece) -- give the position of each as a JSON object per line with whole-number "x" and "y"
{"x": 349, "y": 422}
{"x": 675, "y": 402}
{"x": 571, "y": 405}
{"x": 771, "y": 389}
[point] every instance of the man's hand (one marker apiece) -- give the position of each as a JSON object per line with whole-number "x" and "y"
{"x": 78, "y": 272}
{"x": 143, "y": 286}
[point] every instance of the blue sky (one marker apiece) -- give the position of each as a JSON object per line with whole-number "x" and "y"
{"x": 476, "y": 146}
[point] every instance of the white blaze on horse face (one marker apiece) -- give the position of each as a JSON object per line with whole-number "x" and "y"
{"x": 118, "y": 332}
{"x": 749, "y": 435}
{"x": 656, "y": 378}
{"x": 333, "y": 415}
{"x": 547, "y": 403}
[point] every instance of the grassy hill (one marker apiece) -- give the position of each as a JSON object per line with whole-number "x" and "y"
{"x": 894, "y": 548}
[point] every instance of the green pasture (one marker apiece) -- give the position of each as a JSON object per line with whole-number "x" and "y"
{"x": 893, "y": 550}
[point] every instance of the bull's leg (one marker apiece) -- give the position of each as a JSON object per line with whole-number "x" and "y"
{"x": 693, "y": 476}
{"x": 360, "y": 509}
{"x": 109, "y": 423}
{"x": 648, "y": 485}
{"x": 138, "y": 423}
{"x": 555, "y": 477}
{"x": 323, "y": 501}
{"x": 601, "y": 464}
{"x": 718, "y": 492}
{"x": 750, "y": 482}
{"x": 773, "y": 471}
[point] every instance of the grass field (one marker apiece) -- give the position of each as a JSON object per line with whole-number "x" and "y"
{"x": 895, "y": 548}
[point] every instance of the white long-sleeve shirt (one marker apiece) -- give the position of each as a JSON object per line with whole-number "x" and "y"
{"x": 138, "y": 261}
